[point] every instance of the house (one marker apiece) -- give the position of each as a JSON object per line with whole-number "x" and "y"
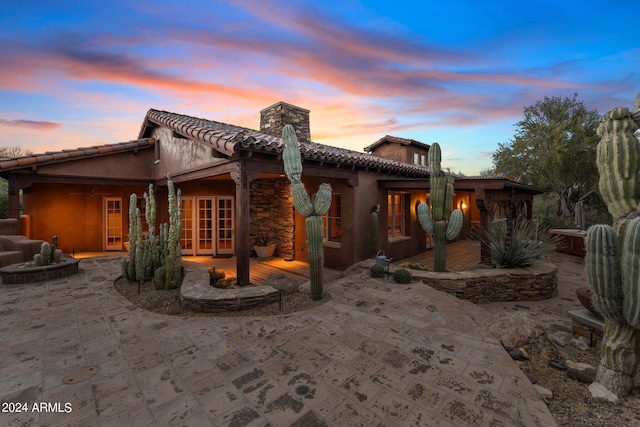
{"x": 234, "y": 191}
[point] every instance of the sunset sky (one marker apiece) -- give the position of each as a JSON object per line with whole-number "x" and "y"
{"x": 81, "y": 73}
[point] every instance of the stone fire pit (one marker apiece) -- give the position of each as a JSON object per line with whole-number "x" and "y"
{"x": 26, "y": 272}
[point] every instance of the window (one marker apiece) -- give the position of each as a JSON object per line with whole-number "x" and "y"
{"x": 416, "y": 159}
{"x": 396, "y": 226}
{"x": 423, "y": 160}
{"x": 332, "y": 220}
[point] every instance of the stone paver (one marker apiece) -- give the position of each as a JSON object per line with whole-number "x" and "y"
{"x": 378, "y": 353}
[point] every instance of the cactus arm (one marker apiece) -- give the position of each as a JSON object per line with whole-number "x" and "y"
{"x": 455, "y": 224}
{"x": 424, "y": 216}
{"x": 603, "y": 271}
{"x": 322, "y": 201}
{"x": 631, "y": 273}
{"x": 291, "y": 155}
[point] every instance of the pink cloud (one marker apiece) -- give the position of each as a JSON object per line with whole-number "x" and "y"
{"x": 30, "y": 124}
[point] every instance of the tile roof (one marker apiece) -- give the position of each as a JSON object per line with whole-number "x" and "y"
{"x": 395, "y": 140}
{"x": 229, "y": 139}
{"x": 12, "y": 163}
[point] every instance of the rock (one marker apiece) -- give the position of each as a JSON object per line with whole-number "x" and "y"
{"x": 600, "y": 392}
{"x": 523, "y": 331}
{"x": 557, "y": 365}
{"x": 507, "y": 345}
{"x": 582, "y": 372}
{"x": 579, "y": 343}
{"x": 524, "y": 353}
{"x": 351, "y": 270}
{"x": 305, "y": 288}
{"x": 557, "y": 339}
{"x": 544, "y": 393}
{"x": 283, "y": 283}
{"x": 516, "y": 354}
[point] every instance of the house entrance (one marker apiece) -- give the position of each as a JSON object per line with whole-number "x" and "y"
{"x": 112, "y": 223}
{"x": 207, "y": 225}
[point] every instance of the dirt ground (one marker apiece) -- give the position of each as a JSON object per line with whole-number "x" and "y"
{"x": 571, "y": 404}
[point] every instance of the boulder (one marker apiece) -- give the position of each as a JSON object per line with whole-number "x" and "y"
{"x": 287, "y": 285}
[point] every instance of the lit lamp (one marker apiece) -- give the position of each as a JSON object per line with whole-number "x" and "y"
{"x": 463, "y": 205}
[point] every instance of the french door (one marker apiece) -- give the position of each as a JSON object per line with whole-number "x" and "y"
{"x": 224, "y": 242}
{"x": 207, "y": 225}
{"x": 112, "y": 223}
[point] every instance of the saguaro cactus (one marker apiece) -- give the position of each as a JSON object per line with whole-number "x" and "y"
{"x": 375, "y": 212}
{"x": 613, "y": 252}
{"x": 312, "y": 210}
{"x": 439, "y": 220}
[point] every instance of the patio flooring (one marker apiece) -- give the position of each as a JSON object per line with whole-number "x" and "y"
{"x": 377, "y": 353}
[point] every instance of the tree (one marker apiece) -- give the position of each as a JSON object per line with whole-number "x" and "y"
{"x": 554, "y": 148}
{"x": 15, "y": 151}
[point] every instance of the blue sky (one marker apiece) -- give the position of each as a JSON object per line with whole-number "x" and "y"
{"x": 81, "y": 73}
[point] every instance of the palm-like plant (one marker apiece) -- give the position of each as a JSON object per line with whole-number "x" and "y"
{"x": 519, "y": 247}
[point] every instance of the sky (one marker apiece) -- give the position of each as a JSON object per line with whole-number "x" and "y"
{"x": 83, "y": 73}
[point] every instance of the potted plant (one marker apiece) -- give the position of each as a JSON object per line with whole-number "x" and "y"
{"x": 264, "y": 249}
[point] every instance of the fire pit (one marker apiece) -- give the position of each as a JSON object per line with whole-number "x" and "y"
{"x": 27, "y": 272}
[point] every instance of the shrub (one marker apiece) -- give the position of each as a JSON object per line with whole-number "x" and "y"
{"x": 376, "y": 271}
{"x": 519, "y": 245}
{"x": 402, "y": 276}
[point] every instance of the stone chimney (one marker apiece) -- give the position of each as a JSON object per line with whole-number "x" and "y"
{"x": 274, "y": 118}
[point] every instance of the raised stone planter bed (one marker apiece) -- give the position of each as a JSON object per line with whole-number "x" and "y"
{"x": 16, "y": 274}
{"x": 537, "y": 282}
{"x": 198, "y": 295}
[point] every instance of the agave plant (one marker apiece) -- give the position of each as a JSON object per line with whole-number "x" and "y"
{"x": 519, "y": 246}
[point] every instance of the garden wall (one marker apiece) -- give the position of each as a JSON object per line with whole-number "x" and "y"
{"x": 537, "y": 282}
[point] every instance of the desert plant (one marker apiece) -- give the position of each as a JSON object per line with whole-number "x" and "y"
{"x": 48, "y": 253}
{"x": 613, "y": 252}
{"x": 376, "y": 270}
{"x": 519, "y": 245}
{"x": 402, "y": 276}
{"x": 375, "y": 212}
{"x": 169, "y": 275}
{"x": 439, "y": 220}
{"x": 311, "y": 210}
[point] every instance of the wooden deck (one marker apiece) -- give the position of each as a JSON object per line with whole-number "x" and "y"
{"x": 259, "y": 270}
{"x": 461, "y": 255}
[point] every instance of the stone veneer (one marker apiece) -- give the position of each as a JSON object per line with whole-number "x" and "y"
{"x": 271, "y": 214}
{"x": 274, "y": 118}
{"x": 538, "y": 282}
{"x": 17, "y": 274}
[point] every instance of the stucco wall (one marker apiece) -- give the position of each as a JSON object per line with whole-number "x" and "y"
{"x": 74, "y": 213}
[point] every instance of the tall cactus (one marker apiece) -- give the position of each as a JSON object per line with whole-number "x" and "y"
{"x": 375, "y": 213}
{"x": 613, "y": 252}
{"x": 312, "y": 210}
{"x": 169, "y": 275}
{"x": 434, "y": 220}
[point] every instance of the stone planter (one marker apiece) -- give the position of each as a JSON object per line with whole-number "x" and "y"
{"x": 265, "y": 252}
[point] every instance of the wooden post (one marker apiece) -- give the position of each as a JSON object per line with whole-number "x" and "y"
{"x": 241, "y": 178}
{"x": 485, "y": 224}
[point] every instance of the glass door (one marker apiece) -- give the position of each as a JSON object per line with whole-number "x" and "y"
{"x": 112, "y": 210}
{"x": 186, "y": 240}
{"x": 205, "y": 231}
{"x": 224, "y": 244}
